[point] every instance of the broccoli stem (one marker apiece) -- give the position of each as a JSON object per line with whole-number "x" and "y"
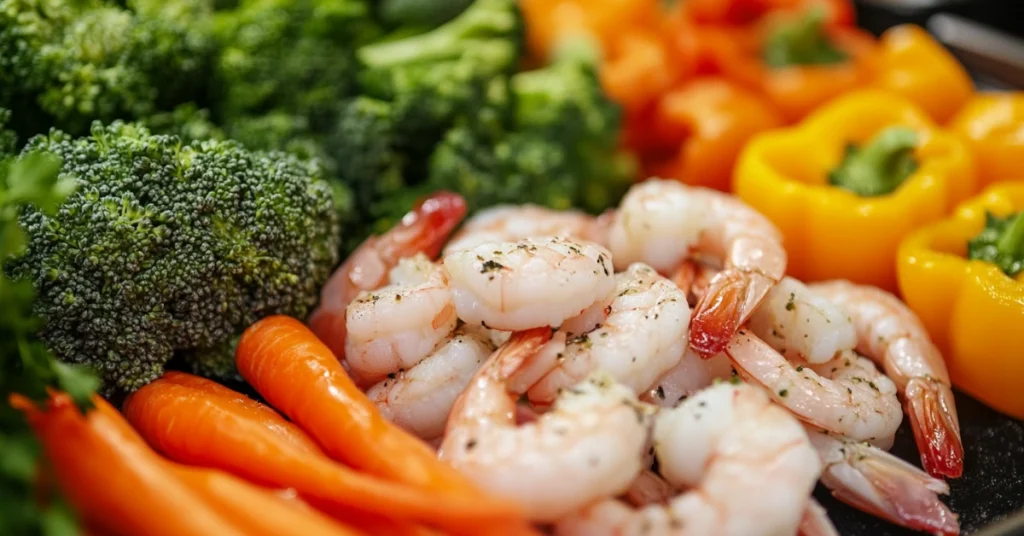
{"x": 880, "y": 166}
{"x": 802, "y": 42}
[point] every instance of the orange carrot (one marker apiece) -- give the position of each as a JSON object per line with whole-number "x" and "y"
{"x": 199, "y": 422}
{"x": 112, "y": 479}
{"x": 257, "y": 511}
{"x": 299, "y": 375}
{"x": 376, "y": 524}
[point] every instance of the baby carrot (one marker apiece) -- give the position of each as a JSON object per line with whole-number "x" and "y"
{"x": 257, "y": 511}
{"x": 115, "y": 482}
{"x": 199, "y": 422}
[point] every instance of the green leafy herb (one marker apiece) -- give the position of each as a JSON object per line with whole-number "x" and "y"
{"x": 1001, "y": 243}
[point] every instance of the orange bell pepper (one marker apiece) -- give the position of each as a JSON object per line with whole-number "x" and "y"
{"x": 831, "y": 232}
{"x": 639, "y": 65}
{"x": 702, "y": 126}
{"x": 971, "y": 308}
{"x": 838, "y": 12}
{"x": 815, "y": 62}
{"x": 548, "y": 22}
{"x": 993, "y": 124}
{"x": 911, "y": 63}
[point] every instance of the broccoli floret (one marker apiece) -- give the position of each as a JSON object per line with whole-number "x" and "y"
{"x": 187, "y": 122}
{"x": 557, "y": 149}
{"x": 168, "y": 247}
{"x": 75, "y": 62}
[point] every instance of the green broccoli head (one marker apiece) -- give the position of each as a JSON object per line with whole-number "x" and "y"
{"x": 76, "y": 62}
{"x": 169, "y": 248}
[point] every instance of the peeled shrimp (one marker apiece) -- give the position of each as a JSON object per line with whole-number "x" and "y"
{"x": 883, "y": 485}
{"x": 642, "y": 335}
{"x": 689, "y": 376}
{"x": 530, "y": 283}
{"x": 663, "y": 222}
{"x": 799, "y": 323}
{"x": 396, "y": 326}
{"x": 589, "y": 446}
{"x": 847, "y": 395}
{"x": 889, "y": 333}
{"x": 423, "y": 230}
{"x": 816, "y": 521}
{"x": 420, "y": 399}
{"x": 748, "y": 463}
{"x": 511, "y": 223}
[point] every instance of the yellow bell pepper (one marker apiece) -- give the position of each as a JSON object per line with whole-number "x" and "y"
{"x": 993, "y": 124}
{"x": 831, "y": 232}
{"x": 971, "y": 308}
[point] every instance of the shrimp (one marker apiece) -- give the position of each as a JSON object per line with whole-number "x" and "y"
{"x": 396, "y": 326}
{"x": 890, "y": 334}
{"x": 816, "y": 521}
{"x": 589, "y": 446}
{"x": 883, "y": 485}
{"x": 664, "y": 222}
{"x": 797, "y": 322}
{"x": 423, "y": 230}
{"x": 530, "y": 283}
{"x": 689, "y": 376}
{"x": 511, "y": 223}
{"x": 748, "y": 463}
{"x": 847, "y": 395}
{"x": 419, "y": 399}
{"x": 648, "y": 488}
{"x": 643, "y": 335}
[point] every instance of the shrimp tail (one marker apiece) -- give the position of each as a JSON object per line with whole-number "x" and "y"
{"x": 816, "y": 522}
{"x": 428, "y": 225}
{"x": 936, "y": 429}
{"x": 731, "y": 298}
{"x": 883, "y": 485}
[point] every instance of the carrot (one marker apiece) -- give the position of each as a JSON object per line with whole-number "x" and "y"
{"x": 376, "y": 524}
{"x": 199, "y": 422}
{"x": 258, "y": 511}
{"x": 112, "y": 479}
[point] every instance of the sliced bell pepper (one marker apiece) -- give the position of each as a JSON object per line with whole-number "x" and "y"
{"x": 797, "y": 62}
{"x": 993, "y": 124}
{"x": 913, "y": 64}
{"x": 702, "y": 126}
{"x": 971, "y": 308}
{"x": 843, "y": 208}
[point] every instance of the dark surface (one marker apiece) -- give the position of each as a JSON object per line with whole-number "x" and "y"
{"x": 877, "y": 15}
{"x": 991, "y": 489}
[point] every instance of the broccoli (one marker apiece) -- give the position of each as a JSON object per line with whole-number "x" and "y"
{"x": 413, "y": 13}
{"x": 172, "y": 249}
{"x": 69, "y": 63}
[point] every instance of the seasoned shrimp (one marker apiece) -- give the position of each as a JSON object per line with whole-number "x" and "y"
{"x": 423, "y": 230}
{"x": 847, "y": 395}
{"x": 883, "y": 485}
{"x": 420, "y": 399}
{"x": 889, "y": 333}
{"x": 690, "y": 375}
{"x": 589, "y": 446}
{"x": 642, "y": 336}
{"x": 799, "y": 323}
{"x": 530, "y": 283}
{"x": 748, "y": 464}
{"x": 648, "y": 488}
{"x": 511, "y": 223}
{"x": 396, "y": 326}
{"x": 663, "y": 222}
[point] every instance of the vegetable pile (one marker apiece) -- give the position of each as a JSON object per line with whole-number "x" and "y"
{"x": 173, "y": 172}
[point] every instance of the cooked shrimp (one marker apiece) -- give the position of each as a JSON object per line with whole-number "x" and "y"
{"x": 690, "y": 375}
{"x": 799, "y": 323}
{"x": 663, "y": 222}
{"x": 512, "y": 223}
{"x": 642, "y": 336}
{"x": 420, "y": 399}
{"x": 396, "y": 326}
{"x": 748, "y": 463}
{"x": 816, "y": 522}
{"x": 589, "y": 446}
{"x": 423, "y": 230}
{"x": 883, "y": 485}
{"x": 847, "y": 395}
{"x": 889, "y": 333}
{"x": 648, "y": 488}
{"x": 530, "y": 283}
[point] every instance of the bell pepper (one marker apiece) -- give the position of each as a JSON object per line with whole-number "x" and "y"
{"x": 911, "y": 63}
{"x": 993, "y": 124}
{"x": 741, "y": 12}
{"x": 972, "y": 309}
{"x": 700, "y": 129}
{"x": 639, "y": 65}
{"x": 849, "y": 182}
{"x": 797, "y": 62}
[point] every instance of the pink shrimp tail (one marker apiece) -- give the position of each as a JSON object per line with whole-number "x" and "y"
{"x": 936, "y": 429}
{"x": 718, "y": 313}
{"x": 428, "y": 225}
